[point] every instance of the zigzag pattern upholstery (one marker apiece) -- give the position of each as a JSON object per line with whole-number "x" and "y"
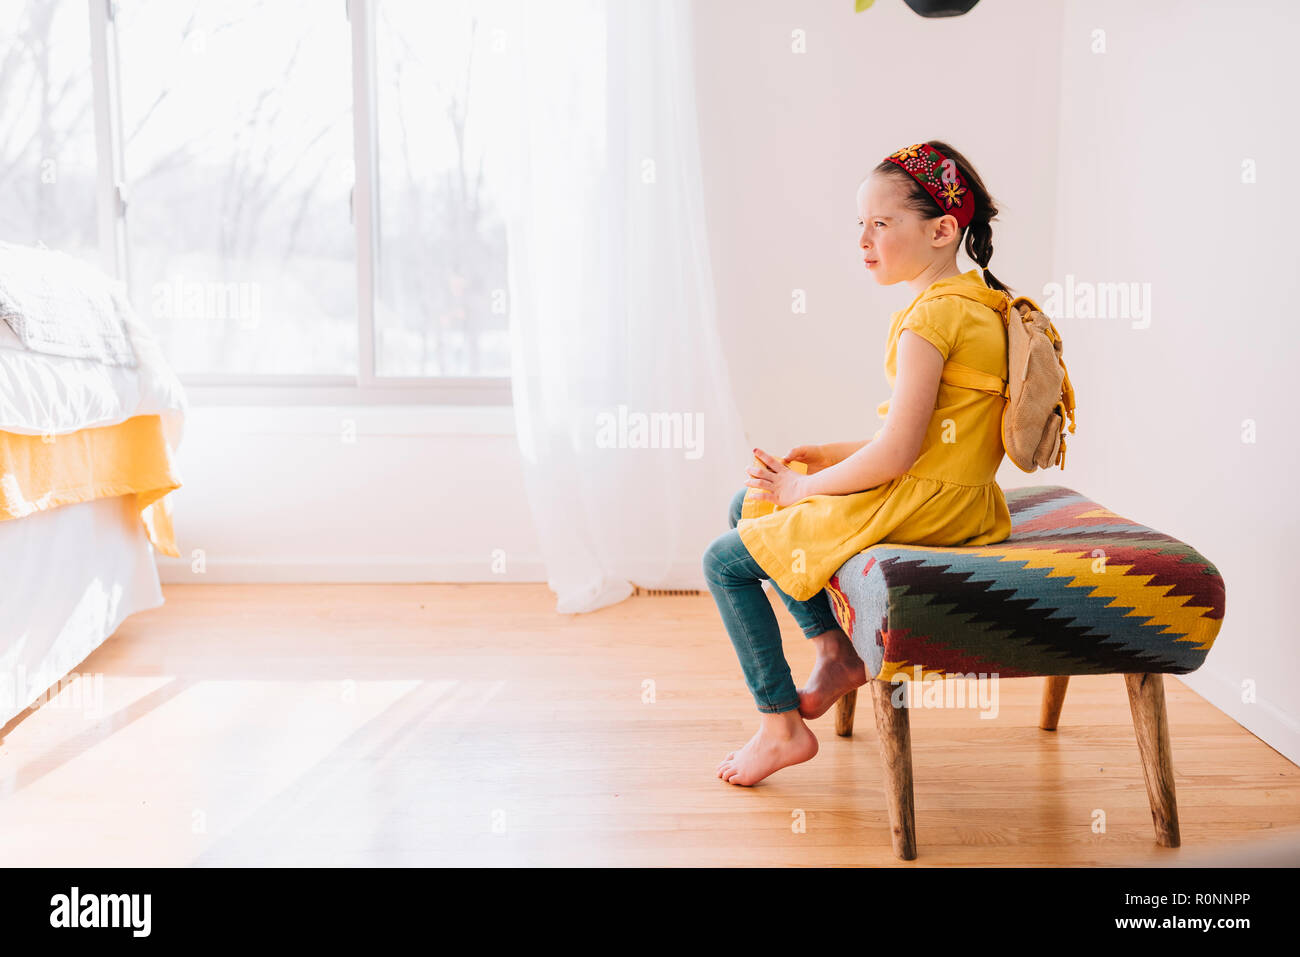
{"x": 1074, "y": 590}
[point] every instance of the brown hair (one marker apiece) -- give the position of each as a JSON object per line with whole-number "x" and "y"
{"x": 979, "y": 232}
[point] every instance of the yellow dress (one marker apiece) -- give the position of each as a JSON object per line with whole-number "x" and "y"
{"x": 950, "y": 495}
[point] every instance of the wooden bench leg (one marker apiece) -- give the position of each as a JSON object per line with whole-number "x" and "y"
{"x": 1053, "y": 698}
{"x": 1146, "y": 699}
{"x": 844, "y": 713}
{"x": 894, "y": 732}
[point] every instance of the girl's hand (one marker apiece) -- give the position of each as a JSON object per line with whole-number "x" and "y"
{"x": 813, "y": 456}
{"x": 776, "y": 482}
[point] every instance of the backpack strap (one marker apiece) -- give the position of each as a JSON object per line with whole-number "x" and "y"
{"x": 1067, "y": 395}
{"x": 1012, "y": 303}
{"x": 966, "y": 377}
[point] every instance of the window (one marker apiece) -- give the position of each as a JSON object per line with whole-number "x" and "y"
{"x": 294, "y": 192}
{"x": 237, "y": 139}
{"x": 47, "y": 127}
{"x": 441, "y": 277}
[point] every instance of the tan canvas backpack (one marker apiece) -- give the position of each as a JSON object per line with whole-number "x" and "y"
{"x": 1038, "y": 393}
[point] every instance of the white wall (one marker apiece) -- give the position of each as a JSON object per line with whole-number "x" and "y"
{"x": 355, "y": 494}
{"x": 1154, "y": 132}
{"x": 1092, "y": 157}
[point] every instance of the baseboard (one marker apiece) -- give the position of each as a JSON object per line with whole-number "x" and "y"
{"x": 1264, "y": 719}
{"x": 228, "y": 571}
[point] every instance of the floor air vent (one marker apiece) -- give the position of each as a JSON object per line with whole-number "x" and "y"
{"x": 664, "y": 592}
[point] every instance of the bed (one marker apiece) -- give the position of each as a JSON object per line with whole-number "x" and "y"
{"x": 87, "y": 468}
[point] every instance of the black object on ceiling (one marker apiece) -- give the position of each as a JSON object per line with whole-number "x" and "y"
{"x": 941, "y": 8}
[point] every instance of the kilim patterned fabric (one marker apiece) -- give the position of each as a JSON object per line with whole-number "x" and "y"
{"x": 1074, "y": 590}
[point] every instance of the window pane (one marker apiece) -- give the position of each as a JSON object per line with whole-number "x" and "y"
{"x": 237, "y": 121}
{"x": 47, "y": 126}
{"x": 441, "y": 305}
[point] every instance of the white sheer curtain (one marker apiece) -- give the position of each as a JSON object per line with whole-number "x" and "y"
{"x": 613, "y": 325}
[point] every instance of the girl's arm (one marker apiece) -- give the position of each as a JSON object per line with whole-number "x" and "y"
{"x": 916, "y": 389}
{"x": 837, "y": 452}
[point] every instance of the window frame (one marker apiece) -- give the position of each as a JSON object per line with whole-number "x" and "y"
{"x": 365, "y": 388}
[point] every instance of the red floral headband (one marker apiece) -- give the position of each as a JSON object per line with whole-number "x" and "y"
{"x": 941, "y": 179}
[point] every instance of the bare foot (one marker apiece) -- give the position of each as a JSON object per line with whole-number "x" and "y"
{"x": 838, "y": 670}
{"x": 781, "y": 740}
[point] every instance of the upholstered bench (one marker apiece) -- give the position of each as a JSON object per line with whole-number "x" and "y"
{"x": 1074, "y": 590}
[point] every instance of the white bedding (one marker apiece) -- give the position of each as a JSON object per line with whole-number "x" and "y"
{"x": 63, "y": 305}
{"x": 68, "y": 577}
{"x": 42, "y": 394}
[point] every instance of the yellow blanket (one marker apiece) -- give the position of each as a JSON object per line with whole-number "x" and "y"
{"x": 39, "y": 472}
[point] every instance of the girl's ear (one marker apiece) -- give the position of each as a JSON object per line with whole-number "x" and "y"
{"x": 946, "y": 229}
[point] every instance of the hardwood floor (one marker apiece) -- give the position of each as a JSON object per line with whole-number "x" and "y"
{"x": 471, "y": 725}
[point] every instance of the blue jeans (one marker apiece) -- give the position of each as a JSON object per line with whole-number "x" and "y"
{"x": 735, "y": 580}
